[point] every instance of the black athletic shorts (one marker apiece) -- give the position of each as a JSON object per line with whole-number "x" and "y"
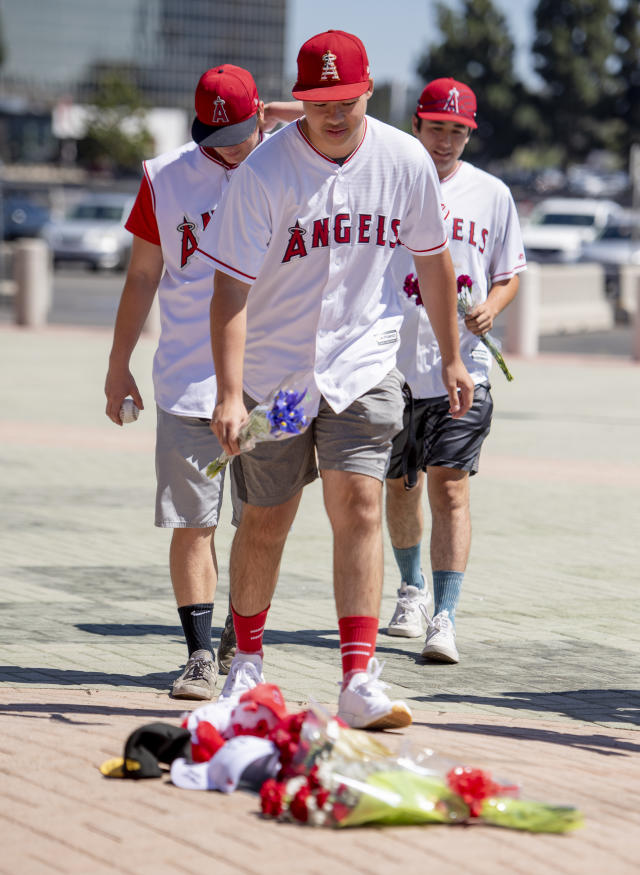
{"x": 440, "y": 440}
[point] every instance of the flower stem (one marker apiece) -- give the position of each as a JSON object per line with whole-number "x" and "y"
{"x": 495, "y": 352}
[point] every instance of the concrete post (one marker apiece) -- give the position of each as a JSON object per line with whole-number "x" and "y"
{"x": 635, "y": 353}
{"x": 523, "y": 315}
{"x": 32, "y": 274}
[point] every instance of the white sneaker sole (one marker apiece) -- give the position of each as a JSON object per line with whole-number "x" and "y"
{"x": 405, "y": 632}
{"x": 192, "y": 692}
{"x": 436, "y": 654}
{"x": 398, "y": 717}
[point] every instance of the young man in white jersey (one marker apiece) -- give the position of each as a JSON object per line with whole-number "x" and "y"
{"x": 300, "y": 246}
{"x": 485, "y": 244}
{"x": 179, "y": 193}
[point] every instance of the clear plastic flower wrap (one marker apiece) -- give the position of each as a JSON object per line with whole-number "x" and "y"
{"x": 283, "y": 414}
{"x": 465, "y": 306}
{"x": 342, "y": 777}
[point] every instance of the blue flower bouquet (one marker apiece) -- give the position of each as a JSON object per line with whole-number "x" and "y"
{"x": 279, "y": 416}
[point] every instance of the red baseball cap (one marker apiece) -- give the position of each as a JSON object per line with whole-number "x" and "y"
{"x": 226, "y": 107}
{"x": 332, "y": 66}
{"x": 268, "y": 695}
{"x": 447, "y": 100}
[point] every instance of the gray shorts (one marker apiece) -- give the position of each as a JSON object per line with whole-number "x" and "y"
{"x": 441, "y": 440}
{"x": 357, "y": 440}
{"x": 185, "y": 497}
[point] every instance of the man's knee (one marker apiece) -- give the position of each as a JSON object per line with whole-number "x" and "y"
{"x": 448, "y": 489}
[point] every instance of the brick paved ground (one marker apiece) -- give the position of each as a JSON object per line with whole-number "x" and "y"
{"x": 546, "y": 692}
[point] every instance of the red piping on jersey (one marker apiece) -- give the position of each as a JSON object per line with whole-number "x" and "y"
{"x": 453, "y": 173}
{"x": 326, "y": 157}
{"x": 224, "y": 264}
{"x": 220, "y": 162}
{"x": 153, "y": 194}
{"x": 510, "y": 273}
{"x": 433, "y": 248}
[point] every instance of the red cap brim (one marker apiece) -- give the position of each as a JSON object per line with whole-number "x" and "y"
{"x": 330, "y": 92}
{"x": 448, "y": 117}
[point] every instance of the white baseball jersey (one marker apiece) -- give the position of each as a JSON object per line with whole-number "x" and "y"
{"x": 186, "y": 186}
{"x": 313, "y": 238}
{"x": 485, "y": 244}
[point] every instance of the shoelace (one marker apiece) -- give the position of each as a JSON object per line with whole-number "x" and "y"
{"x": 373, "y": 684}
{"x": 200, "y": 668}
{"x": 243, "y": 676}
{"x": 440, "y": 623}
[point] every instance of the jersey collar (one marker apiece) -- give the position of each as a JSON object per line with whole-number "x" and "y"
{"x": 326, "y": 157}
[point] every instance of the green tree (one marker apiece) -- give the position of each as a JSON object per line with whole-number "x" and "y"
{"x": 116, "y": 139}
{"x": 574, "y": 54}
{"x": 627, "y": 104}
{"x": 477, "y": 49}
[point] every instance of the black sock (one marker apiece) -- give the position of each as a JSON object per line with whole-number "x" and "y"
{"x": 196, "y": 624}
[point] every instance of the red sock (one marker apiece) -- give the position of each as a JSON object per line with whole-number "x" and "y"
{"x": 357, "y": 643}
{"x": 249, "y": 630}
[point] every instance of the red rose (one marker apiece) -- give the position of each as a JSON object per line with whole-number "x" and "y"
{"x": 323, "y": 797}
{"x": 464, "y": 281}
{"x": 339, "y": 811}
{"x": 473, "y": 785}
{"x": 271, "y": 798}
{"x": 411, "y": 287}
{"x": 298, "y": 806}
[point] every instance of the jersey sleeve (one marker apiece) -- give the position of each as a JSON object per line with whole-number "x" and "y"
{"x": 142, "y": 219}
{"x": 422, "y": 229}
{"x": 237, "y": 237}
{"x": 508, "y": 257}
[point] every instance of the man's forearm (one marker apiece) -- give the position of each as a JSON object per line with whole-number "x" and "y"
{"x": 439, "y": 294}
{"x": 228, "y": 333}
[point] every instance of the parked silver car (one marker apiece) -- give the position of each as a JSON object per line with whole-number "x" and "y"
{"x": 616, "y": 246}
{"x": 93, "y": 232}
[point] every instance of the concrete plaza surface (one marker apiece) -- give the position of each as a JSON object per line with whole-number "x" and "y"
{"x": 547, "y": 692}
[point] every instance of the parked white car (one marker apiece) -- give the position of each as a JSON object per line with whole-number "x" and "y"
{"x": 93, "y": 232}
{"x": 558, "y": 228}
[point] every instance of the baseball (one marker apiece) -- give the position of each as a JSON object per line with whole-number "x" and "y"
{"x": 129, "y": 411}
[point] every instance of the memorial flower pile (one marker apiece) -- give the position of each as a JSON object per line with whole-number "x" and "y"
{"x": 310, "y": 768}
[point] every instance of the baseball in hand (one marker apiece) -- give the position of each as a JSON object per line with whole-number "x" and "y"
{"x": 129, "y": 411}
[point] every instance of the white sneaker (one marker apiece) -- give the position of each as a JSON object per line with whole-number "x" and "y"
{"x": 245, "y": 673}
{"x": 363, "y": 704}
{"x": 407, "y": 620}
{"x": 440, "y": 645}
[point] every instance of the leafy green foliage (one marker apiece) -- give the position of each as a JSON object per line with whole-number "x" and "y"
{"x": 476, "y": 48}
{"x": 117, "y": 139}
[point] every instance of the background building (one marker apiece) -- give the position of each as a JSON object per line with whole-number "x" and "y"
{"x": 58, "y": 48}
{"x": 57, "y": 53}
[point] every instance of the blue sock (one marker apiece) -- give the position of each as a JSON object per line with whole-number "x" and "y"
{"x": 408, "y": 560}
{"x": 446, "y": 592}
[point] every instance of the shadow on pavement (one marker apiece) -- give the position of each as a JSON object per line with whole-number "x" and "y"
{"x": 593, "y": 706}
{"x": 606, "y": 745}
{"x": 15, "y": 674}
{"x": 58, "y": 711}
{"x": 324, "y": 638}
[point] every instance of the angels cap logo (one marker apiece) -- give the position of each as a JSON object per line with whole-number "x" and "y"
{"x": 451, "y": 103}
{"x": 329, "y": 70}
{"x": 448, "y": 100}
{"x": 318, "y": 75}
{"x": 219, "y": 113}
